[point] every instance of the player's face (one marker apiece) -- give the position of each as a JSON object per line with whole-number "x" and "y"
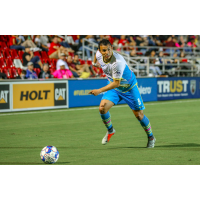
{"x": 106, "y": 51}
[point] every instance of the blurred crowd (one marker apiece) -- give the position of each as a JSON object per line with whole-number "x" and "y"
{"x": 67, "y": 50}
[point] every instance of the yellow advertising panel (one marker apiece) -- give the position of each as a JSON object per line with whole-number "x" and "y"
{"x": 32, "y": 95}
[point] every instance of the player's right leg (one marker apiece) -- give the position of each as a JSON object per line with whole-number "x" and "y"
{"x": 104, "y": 108}
{"x": 109, "y": 99}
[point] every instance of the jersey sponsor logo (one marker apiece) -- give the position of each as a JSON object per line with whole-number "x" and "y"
{"x": 193, "y": 86}
{"x": 118, "y": 72}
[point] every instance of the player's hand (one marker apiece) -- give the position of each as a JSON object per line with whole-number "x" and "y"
{"x": 95, "y": 92}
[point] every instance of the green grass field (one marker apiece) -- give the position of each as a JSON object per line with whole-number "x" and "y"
{"x": 78, "y": 133}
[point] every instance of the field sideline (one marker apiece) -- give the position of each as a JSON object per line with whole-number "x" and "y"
{"x": 78, "y": 135}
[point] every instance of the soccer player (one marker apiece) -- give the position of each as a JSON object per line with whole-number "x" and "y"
{"x": 122, "y": 85}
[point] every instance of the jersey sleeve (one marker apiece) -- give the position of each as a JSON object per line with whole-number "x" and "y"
{"x": 118, "y": 70}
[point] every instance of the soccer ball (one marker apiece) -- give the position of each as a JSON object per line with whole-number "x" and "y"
{"x": 49, "y": 154}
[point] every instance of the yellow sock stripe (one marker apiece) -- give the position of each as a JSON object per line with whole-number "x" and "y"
{"x": 146, "y": 127}
{"x": 108, "y": 124}
{"x": 106, "y": 120}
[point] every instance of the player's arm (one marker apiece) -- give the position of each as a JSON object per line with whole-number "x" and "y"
{"x": 118, "y": 69}
{"x": 110, "y": 86}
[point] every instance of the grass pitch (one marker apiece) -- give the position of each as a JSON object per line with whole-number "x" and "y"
{"x": 77, "y": 134}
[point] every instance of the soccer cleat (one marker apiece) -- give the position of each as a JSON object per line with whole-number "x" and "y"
{"x": 108, "y": 136}
{"x": 151, "y": 142}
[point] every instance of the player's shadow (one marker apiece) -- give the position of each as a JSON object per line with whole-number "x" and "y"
{"x": 161, "y": 146}
{"x": 127, "y": 148}
{"x": 179, "y": 145}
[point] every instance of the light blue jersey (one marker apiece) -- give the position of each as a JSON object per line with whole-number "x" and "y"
{"x": 118, "y": 69}
{"x": 128, "y": 91}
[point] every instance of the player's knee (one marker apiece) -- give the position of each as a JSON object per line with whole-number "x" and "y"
{"x": 139, "y": 115}
{"x": 102, "y": 109}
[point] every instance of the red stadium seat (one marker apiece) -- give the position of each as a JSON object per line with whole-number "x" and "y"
{"x": 71, "y": 54}
{"x": 6, "y": 53}
{"x": 82, "y": 61}
{"x": 44, "y": 55}
{"x": 18, "y": 70}
{"x": 37, "y": 70}
{"x": 3, "y": 45}
{"x": 52, "y": 70}
{"x": 89, "y": 62}
{"x": 139, "y": 53}
{"x": 46, "y": 60}
{"x": 53, "y": 61}
{"x": 13, "y": 53}
{"x": 37, "y": 53}
{"x": 20, "y": 53}
{"x": 9, "y": 62}
{"x": 2, "y": 63}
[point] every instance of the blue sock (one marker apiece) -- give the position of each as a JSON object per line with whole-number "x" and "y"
{"x": 147, "y": 126}
{"x": 106, "y": 118}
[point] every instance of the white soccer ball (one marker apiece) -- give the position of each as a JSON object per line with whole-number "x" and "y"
{"x": 49, "y": 154}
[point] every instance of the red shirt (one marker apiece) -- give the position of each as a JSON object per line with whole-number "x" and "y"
{"x": 51, "y": 49}
{"x": 71, "y": 65}
{"x": 11, "y": 40}
{"x": 123, "y": 41}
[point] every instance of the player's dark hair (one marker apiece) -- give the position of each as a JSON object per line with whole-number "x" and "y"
{"x": 104, "y": 42}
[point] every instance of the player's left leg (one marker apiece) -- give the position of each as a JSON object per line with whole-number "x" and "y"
{"x": 145, "y": 123}
{"x": 135, "y": 102}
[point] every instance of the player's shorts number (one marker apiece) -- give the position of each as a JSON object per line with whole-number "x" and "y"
{"x": 139, "y": 102}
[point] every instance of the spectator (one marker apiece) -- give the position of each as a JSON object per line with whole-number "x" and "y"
{"x": 45, "y": 41}
{"x": 39, "y": 43}
{"x": 63, "y": 73}
{"x": 45, "y": 73}
{"x": 28, "y": 42}
{"x": 181, "y": 42}
{"x": 84, "y": 67}
{"x": 133, "y": 53}
{"x": 170, "y": 42}
{"x": 141, "y": 41}
{"x": 183, "y": 67}
{"x": 14, "y": 44}
{"x": 159, "y": 61}
{"x": 65, "y": 45}
{"x": 22, "y": 75}
{"x": 30, "y": 74}
{"x": 61, "y": 60}
{"x": 154, "y": 69}
{"x": 55, "y": 49}
{"x": 80, "y": 47}
{"x": 131, "y": 40}
{"x": 191, "y": 43}
{"x": 72, "y": 66}
{"x": 28, "y": 56}
{"x": 122, "y": 42}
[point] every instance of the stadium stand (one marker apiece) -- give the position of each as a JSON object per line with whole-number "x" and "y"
{"x": 172, "y": 55}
